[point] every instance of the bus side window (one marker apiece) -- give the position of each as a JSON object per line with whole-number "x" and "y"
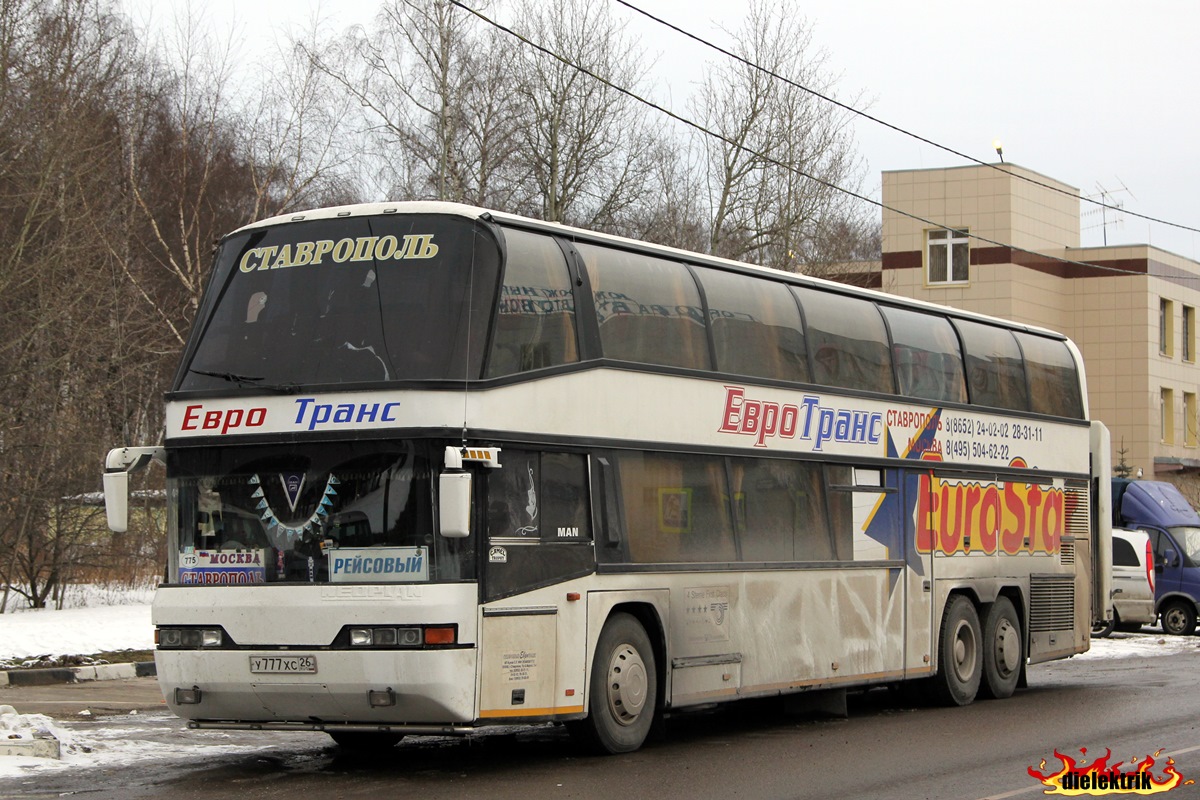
{"x": 535, "y": 322}
{"x": 927, "y": 356}
{"x": 649, "y": 309}
{"x": 848, "y": 342}
{"x": 514, "y": 501}
{"x": 566, "y": 515}
{"x": 541, "y": 496}
{"x": 780, "y": 510}
{"x": 676, "y": 508}
{"x": 995, "y": 369}
{"x": 755, "y": 325}
{"x": 1053, "y": 376}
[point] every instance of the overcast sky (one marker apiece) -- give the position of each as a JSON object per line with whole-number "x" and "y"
{"x": 1100, "y": 94}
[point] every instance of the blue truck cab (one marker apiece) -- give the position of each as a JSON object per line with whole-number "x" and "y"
{"x": 1173, "y": 525}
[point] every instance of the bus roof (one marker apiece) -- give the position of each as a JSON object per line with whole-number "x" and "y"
{"x": 476, "y": 212}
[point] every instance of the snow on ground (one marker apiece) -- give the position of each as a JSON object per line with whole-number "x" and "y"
{"x": 101, "y": 620}
{"x": 130, "y": 739}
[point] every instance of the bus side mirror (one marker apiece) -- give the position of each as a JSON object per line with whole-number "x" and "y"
{"x": 454, "y": 497}
{"x": 120, "y": 462}
{"x": 116, "y": 500}
{"x": 454, "y": 504}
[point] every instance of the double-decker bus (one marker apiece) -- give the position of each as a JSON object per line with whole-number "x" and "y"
{"x": 431, "y": 467}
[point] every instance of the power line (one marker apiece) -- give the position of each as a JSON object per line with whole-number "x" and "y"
{"x": 889, "y": 125}
{"x": 768, "y": 159}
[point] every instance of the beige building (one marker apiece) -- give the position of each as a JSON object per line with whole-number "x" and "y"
{"x": 1131, "y": 309}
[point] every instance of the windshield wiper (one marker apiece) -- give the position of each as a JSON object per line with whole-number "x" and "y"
{"x": 251, "y": 381}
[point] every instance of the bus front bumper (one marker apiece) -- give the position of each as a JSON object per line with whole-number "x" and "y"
{"x": 429, "y": 689}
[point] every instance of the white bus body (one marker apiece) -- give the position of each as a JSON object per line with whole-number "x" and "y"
{"x": 646, "y": 524}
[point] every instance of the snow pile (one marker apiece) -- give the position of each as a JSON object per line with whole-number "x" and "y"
{"x": 29, "y": 737}
{"x": 132, "y": 739}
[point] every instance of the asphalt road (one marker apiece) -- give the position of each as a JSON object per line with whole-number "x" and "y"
{"x": 887, "y": 748}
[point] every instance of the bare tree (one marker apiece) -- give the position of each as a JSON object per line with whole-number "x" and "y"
{"x": 438, "y": 117}
{"x": 589, "y": 148}
{"x": 63, "y": 63}
{"x": 773, "y": 181}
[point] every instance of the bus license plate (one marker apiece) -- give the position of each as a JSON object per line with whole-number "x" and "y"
{"x": 283, "y": 664}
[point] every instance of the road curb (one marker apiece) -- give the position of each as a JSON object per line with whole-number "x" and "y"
{"x": 100, "y": 672}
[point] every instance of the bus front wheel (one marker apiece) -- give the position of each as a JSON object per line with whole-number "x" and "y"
{"x": 1003, "y": 650}
{"x": 960, "y": 662}
{"x": 623, "y": 691}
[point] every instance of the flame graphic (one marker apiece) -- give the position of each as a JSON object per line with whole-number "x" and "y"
{"x": 1070, "y": 780}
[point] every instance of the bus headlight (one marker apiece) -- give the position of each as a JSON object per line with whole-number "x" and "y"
{"x": 189, "y": 638}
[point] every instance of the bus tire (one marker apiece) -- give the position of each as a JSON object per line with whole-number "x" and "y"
{"x": 623, "y": 691}
{"x": 1179, "y": 618}
{"x": 960, "y": 656}
{"x": 1003, "y": 651}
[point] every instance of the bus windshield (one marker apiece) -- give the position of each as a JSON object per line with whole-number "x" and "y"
{"x": 349, "y": 300}
{"x": 346, "y": 512}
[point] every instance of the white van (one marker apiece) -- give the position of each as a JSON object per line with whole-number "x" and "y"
{"x": 1132, "y": 583}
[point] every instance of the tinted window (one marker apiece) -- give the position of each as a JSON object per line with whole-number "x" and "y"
{"x": 995, "y": 370}
{"x": 756, "y": 327}
{"x": 780, "y": 510}
{"x": 348, "y": 300}
{"x": 676, "y": 508}
{"x": 1123, "y": 553}
{"x": 927, "y": 356}
{"x": 1053, "y": 376}
{"x": 848, "y": 342}
{"x": 540, "y": 496}
{"x": 535, "y": 322}
{"x": 649, "y": 309}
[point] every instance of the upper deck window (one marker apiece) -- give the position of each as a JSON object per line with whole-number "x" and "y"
{"x": 848, "y": 341}
{"x": 756, "y": 326}
{"x": 649, "y": 309}
{"x": 535, "y": 322}
{"x": 927, "y": 355}
{"x": 347, "y": 300}
{"x": 1053, "y": 376}
{"x": 995, "y": 369}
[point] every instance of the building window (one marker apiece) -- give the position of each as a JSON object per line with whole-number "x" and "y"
{"x": 1189, "y": 419}
{"x": 1188, "y": 334}
{"x": 1166, "y": 327}
{"x": 1167, "y": 415}
{"x": 947, "y": 256}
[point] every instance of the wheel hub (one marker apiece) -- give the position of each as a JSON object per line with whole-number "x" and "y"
{"x": 627, "y": 684}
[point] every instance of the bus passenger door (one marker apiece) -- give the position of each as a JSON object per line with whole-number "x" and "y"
{"x": 539, "y": 537}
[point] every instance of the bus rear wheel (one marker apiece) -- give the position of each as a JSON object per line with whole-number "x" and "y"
{"x": 1003, "y": 649}
{"x": 960, "y": 661}
{"x": 623, "y": 691}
